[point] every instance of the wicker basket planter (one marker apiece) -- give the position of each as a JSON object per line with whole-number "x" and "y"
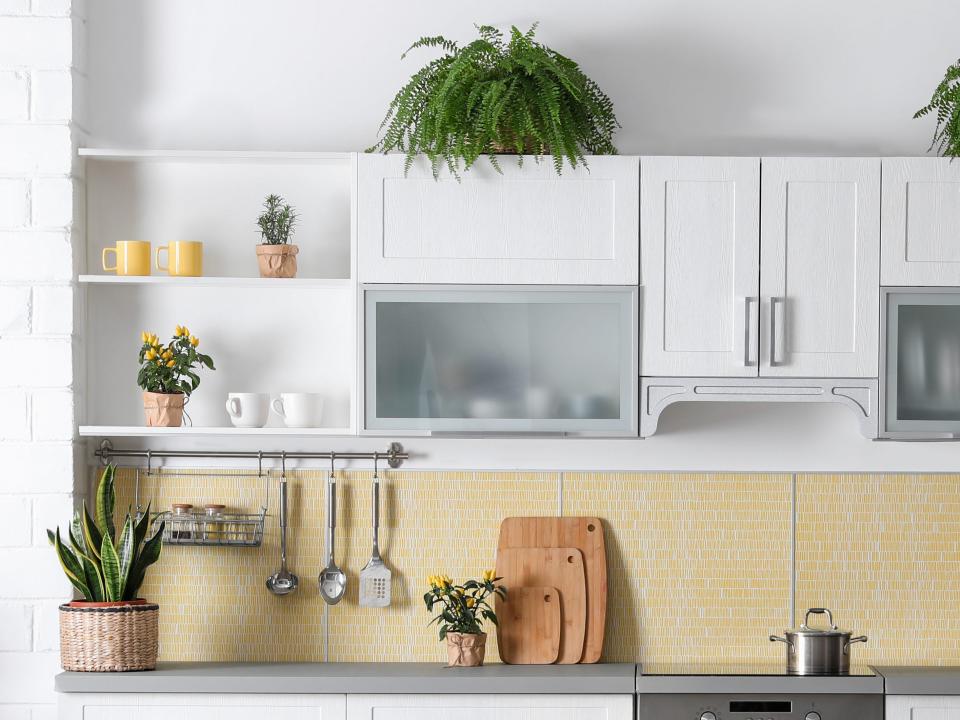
{"x": 108, "y": 636}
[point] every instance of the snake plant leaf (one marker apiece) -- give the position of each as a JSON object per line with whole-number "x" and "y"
{"x": 148, "y": 555}
{"x": 76, "y": 534}
{"x": 51, "y": 536}
{"x": 126, "y": 552}
{"x": 71, "y": 564}
{"x": 105, "y": 501}
{"x": 92, "y": 538}
{"x": 140, "y": 529}
{"x": 111, "y": 569}
{"x": 91, "y": 573}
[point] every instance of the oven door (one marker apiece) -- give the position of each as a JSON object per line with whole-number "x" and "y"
{"x": 921, "y": 364}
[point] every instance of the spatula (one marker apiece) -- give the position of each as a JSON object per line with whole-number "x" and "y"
{"x": 375, "y": 576}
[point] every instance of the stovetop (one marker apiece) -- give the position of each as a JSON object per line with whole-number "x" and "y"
{"x": 738, "y": 670}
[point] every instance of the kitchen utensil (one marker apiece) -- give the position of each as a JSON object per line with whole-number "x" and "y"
{"x": 332, "y": 580}
{"x": 375, "y": 576}
{"x": 283, "y": 582}
{"x": 131, "y": 257}
{"x": 584, "y": 533}
{"x": 528, "y": 632}
{"x": 249, "y": 410}
{"x": 561, "y": 568}
{"x": 299, "y": 409}
{"x": 818, "y": 651}
{"x": 184, "y": 258}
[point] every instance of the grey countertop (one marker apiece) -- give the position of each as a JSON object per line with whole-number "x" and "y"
{"x": 665, "y": 679}
{"x": 387, "y": 678}
{"x": 919, "y": 680}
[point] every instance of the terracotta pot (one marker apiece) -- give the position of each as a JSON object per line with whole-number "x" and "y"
{"x": 109, "y": 636}
{"x": 163, "y": 409}
{"x": 277, "y": 261}
{"x": 466, "y": 650}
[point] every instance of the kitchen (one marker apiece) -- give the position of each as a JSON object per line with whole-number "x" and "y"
{"x": 735, "y": 409}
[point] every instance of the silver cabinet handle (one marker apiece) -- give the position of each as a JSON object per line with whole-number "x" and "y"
{"x": 746, "y": 337}
{"x": 777, "y": 331}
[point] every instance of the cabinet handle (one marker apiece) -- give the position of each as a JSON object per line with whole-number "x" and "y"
{"x": 747, "y": 335}
{"x": 777, "y": 331}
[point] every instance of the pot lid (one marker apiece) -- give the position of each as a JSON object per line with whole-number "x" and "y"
{"x": 830, "y": 630}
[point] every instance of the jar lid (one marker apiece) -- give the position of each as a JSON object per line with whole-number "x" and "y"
{"x": 182, "y": 506}
{"x": 214, "y": 506}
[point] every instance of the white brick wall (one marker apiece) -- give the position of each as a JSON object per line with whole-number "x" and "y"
{"x": 42, "y": 66}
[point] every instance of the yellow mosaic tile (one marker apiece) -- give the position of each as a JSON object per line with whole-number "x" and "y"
{"x": 430, "y": 522}
{"x": 698, "y": 564}
{"x": 883, "y": 552}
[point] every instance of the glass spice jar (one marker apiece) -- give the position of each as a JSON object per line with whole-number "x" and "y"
{"x": 214, "y": 529}
{"x": 182, "y": 525}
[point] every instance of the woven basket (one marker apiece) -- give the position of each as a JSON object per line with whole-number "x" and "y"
{"x": 108, "y": 637}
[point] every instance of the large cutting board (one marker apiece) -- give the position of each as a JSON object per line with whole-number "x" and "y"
{"x": 529, "y": 629}
{"x": 561, "y": 568}
{"x": 584, "y": 533}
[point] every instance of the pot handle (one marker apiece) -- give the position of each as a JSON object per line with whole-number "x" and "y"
{"x": 851, "y": 641}
{"x": 777, "y": 638}
{"x": 819, "y": 611}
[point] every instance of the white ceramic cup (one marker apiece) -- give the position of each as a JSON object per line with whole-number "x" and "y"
{"x": 301, "y": 410}
{"x": 248, "y": 410}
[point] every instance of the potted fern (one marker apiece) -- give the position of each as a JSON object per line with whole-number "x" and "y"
{"x": 110, "y": 629}
{"x": 276, "y": 256}
{"x": 497, "y": 96}
{"x": 945, "y": 103}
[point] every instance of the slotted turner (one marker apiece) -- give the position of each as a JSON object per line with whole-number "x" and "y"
{"x": 375, "y": 576}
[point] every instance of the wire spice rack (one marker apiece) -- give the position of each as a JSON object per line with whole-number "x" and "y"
{"x": 232, "y": 529}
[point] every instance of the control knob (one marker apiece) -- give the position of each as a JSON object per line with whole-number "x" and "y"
{"x": 708, "y": 716}
{"x": 812, "y": 715}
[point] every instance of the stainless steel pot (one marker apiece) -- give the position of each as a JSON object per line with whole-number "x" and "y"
{"x": 818, "y": 651}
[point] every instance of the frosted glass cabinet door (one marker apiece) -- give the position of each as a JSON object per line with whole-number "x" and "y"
{"x": 923, "y": 362}
{"x": 500, "y": 358}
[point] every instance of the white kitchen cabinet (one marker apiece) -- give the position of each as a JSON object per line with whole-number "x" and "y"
{"x": 526, "y": 226}
{"x": 921, "y": 222}
{"x": 490, "y": 707}
{"x": 699, "y": 230}
{"x": 923, "y": 707}
{"x": 819, "y": 267}
{"x": 200, "y": 706}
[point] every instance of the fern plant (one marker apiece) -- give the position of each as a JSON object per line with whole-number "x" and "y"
{"x": 946, "y": 104}
{"x": 497, "y": 96}
{"x": 104, "y": 566}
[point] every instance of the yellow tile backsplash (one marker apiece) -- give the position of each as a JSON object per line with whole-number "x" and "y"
{"x": 700, "y": 565}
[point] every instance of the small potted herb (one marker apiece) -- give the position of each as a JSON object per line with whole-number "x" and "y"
{"x": 276, "y": 256}
{"x": 110, "y": 629}
{"x": 945, "y": 104}
{"x": 168, "y": 375}
{"x": 498, "y": 96}
{"x": 462, "y": 610}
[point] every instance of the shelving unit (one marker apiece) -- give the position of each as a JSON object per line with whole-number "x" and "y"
{"x": 210, "y": 281}
{"x": 142, "y": 431}
{"x": 131, "y": 155}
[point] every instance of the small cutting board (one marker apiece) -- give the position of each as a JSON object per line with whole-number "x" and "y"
{"x": 584, "y": 533}
{"x": 529, "y": 629}
{"x": 561, "y": 568}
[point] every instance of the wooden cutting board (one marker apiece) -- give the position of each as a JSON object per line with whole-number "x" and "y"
{"x": 585, "y": 534}
{"x": 529, "y": 629}
{"x": 561, "y": 568}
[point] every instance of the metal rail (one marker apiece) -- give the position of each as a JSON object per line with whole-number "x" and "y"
{"x": 395, "y": 454}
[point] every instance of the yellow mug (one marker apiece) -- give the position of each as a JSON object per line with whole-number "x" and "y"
{"x": 130, "y": 257}
{"x": 184, "y": 258}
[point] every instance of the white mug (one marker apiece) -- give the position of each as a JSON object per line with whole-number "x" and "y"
{"x": 299, "y": 409}
{"x": 248, "y": 410}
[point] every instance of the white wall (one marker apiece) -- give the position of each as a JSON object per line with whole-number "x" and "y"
{"x": 687, "y": 76}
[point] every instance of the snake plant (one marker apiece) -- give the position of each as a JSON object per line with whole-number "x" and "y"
{"x": 103, "y": 566}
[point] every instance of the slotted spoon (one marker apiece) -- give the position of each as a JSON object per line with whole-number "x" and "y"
{"x": 375, "y": 576}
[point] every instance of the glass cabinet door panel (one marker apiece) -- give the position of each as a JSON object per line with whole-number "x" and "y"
{"x": 439, "y": 358}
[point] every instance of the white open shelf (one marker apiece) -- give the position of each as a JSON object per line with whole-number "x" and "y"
{"x": 143, "y": 431}
{"x": 291, "y": 283}
{"x": 123, "y": 154}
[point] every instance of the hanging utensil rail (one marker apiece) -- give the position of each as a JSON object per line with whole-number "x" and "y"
{"x": 395, "y": 454}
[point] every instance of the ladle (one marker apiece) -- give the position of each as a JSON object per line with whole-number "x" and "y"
{"x": 283, "y": 582}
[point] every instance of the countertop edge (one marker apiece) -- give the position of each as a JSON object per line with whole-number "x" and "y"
{"x": 920, "y": 680}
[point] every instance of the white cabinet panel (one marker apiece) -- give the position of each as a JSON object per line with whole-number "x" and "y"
{"x": 528, "y": 225}
{"x": 200, "y": 706}
{"x": 923, "y": 707}
{"x": 921, "y": 221}
{"x": 819, "y": 276}
{"x": 490, "y": 707}
{"x": 699, "y": 231}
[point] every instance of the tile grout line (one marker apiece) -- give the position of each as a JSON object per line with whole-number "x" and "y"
{"x": 793, "y": 550}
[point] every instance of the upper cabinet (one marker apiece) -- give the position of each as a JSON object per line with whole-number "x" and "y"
{"x": 921, "y": 222}
{"x": 525, "y": 226}
{"x": 760, "y": 268}
{"x": 699, "y": 220}
{"x": 819, "y": 267}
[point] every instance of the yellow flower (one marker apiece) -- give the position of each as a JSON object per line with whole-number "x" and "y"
{"x": 166, "y": 354}
{"x": 489, "y": 575}
{"x": 194, "y": 340}
{"x": 154, "y": 340}
{"x": 432, "y": 580}
{"x": 471, "y": 602}
{"x": 184, "y": 331}
{"x": 171, "y": 363}
{"x": 150, "y": 354}
{"x": 159, "y": 362}
{"x": 144, "y": 336}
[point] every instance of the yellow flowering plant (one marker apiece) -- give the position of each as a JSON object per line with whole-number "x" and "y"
{"x": 171, "y": 368}
{"x": 462, "y": 608}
